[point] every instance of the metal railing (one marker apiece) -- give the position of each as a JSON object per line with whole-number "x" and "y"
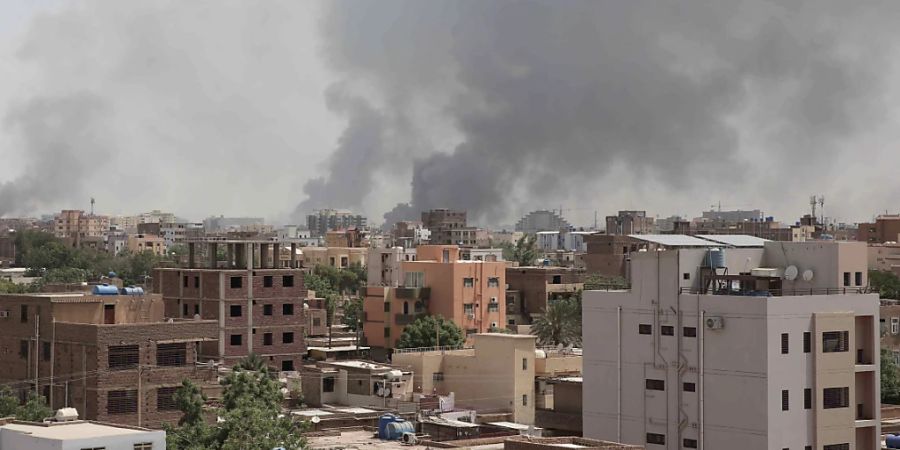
{"x": 776, "y": 292}
{"x": 428, "y": 349}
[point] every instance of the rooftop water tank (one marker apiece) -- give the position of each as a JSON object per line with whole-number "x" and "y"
{"x": 892, "y": 441}
{"x": 132, "y": 290}
{"x": 715, "y": 258}
{"x": 105, "y": 289}
{"x": 394, "y": 430}
{"x": 383, "y": 421}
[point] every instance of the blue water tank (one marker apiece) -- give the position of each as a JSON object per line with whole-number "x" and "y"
{"x": 716, "y": 258}
{"x": 105, "y": 289}
{"x": 131, "y": 290}
{"x": 394, "y": 430}
{"x": 383, "y": 422}
{"x": 892, "y": 441}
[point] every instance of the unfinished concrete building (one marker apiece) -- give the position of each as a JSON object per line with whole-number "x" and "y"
{"x": 257, "y": 303}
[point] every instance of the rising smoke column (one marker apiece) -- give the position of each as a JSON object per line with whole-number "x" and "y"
{"x": 547, "y": 95}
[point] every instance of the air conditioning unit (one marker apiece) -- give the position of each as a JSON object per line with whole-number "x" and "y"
{"x": 470, "y": 315}
{"x": 715, "y": 323}
{"x": 4, "y": 314}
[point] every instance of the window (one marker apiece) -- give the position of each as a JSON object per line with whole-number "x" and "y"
{"x": 237, "y": 339}
{"x": 836, "y": 397}
{"x": 287, "y": 309}
{"x": 45, "y": 350}
{"x": 807, "y": 342}
{"x": 197, "y": 282}
{"x": 784, "y": 343}
{"x": 807, "y": 398}
{"x": 267, "y": 338}
{"x": 470, "y": 331}
{"x": 24, "y": 349}
{"x": 121, "y": 402}
{"x": 267, "y": 281}
{"x": 122, "y": 356}
{"x": 414, "y": 279}
{"x": 836, "y": 447}
{"x": 807, "y": 447}
{"x": 493, "y": 282}
{"x": 328, "y": 384}
{"x": 785, "y": 400}
{"x": 287, "y": 337}
{"x": 524, "y": 363}
{"x": 234, "y": 310}
{"x": 524, "y": 399}
{"x": 493, "y": 307}
{"x": 184, "y": 310}
{"x": 689, "y": 443}
{"x": 287, "y": 281}
{"x": 23, "y": 314}
{"x": 835, "y": 341}
{"x": 686, "y": 276}
{"x": 655, "y": 438}
{"x": 387, "y": 332}
{"x": 237, "y": 282}
{"x": 287, "y": 365}
{"x": 317, "y": 321}
{"x": 667, "y": 330}
{"x": 468, "y": 282}
{"x": 469, "y": 308}
{"x": 858, "y": 278}
{"x": 345, "y": 262}
{"x": 171, "y": 354}
{"x": 143, "y": 446}
{"x": 895, "y": 325}
{"x": 185, "y": 281}
{"x": 267, "y": 310}
{"x": 387, "y": 306}
{"x": 165, "y": 398}
{"x": 689, "y": 387}
{"x": 689, "y": 332}
{"x": 437, "y": 376}
{"x": 197, "y": 308}
{"x": 846, "y": 278}
{"x": 896, "y": 357}
{"x": 557, "y": 279}
{"x": 655, "y": 385}
{"x": 645, "y": 328}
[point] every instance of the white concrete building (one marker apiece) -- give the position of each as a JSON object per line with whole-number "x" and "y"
{"x": 78, "y": 435}
{"x": 772, "y": 347}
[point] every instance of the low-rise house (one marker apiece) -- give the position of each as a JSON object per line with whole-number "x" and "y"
{"x": 78, "y": 435}
{"x": 357, "y": 383}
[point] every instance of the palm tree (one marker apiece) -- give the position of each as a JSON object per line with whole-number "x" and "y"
{"x": 560, "y": 324}
{"x": 253, "y": 363}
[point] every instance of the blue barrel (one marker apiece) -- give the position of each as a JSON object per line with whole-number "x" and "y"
{"x": 892, "y": 441}
{"x": 131, "y": 290}
{"x": 716, "y": 258}
{"x": 395, "y": 430}
{"x": 383, "y": 422}
{"x": 105, "y": 289}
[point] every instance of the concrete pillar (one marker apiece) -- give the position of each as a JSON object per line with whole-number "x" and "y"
{"x": 229, "y": 256}
{"x": 293, "y": 255}
{"x": 239, "y": 256}
{"x": 191, "y": 248}
{"x": 263, "y": 256}
{"x": 213, "y": 255}
{"x": 250, "y": 298}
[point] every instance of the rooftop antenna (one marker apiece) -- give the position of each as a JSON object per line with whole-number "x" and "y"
{"x": 822, "y": 208}
{"x": 812, "y": 203}
{"x": 92, "y": 205}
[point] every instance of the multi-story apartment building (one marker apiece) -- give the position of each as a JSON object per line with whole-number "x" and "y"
{"x": 886, "y": 228}
{"x": 469, "y": 293}
{"x": 772, "y": 347}
{"x": 629, "y": 222}
{"x": 74, "y": 226}
{"x": 224, "y": 224}
{"x": 179, "y": 233}
{"x": 442, "y": 223}
{"x": 325, "y": 220}
{"x": 340, "y": 257}
{"x": 257, "y": 304}
{"x": 531, "y": 289}
{"x": 139, "y": 243}
{"x": 116, "y": 358}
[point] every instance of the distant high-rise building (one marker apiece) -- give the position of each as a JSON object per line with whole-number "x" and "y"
{"x": 75, "y": 226}
{"x": 733, "y": 216}
{"x": 222, "y": 223}
{"x": 448, "y": 227}
{"x": 542, "y": 220}
{"x": 321, "y": 222}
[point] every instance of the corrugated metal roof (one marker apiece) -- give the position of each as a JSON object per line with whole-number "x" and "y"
{"x": 673, "y": 240}
{"x": 735, "y": 240}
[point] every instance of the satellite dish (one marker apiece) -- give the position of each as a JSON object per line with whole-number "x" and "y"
{"x": 807, "y": 275}
{"x": 315, "y": 419}
{"x": 790, "y": 273}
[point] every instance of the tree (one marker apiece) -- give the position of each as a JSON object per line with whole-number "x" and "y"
{"x": 34, "y": 410}
{"x": 9, "y": 404}
{"x": 353, "y": 312}
{"x": 560, "y": 323}
{"x": 890, "y": 379}
{"x": 887, "y": 284}
{"x": 423, "y": 333}
{"x": 190, "y": 400}
{"x": 252, "y": 362}
{"x": 524, "y": 251}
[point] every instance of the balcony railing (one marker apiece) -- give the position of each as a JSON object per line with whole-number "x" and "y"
{"x": 776, "y": 292}
{"x": 415, "y": 293}
{"x": 405, "y": 319}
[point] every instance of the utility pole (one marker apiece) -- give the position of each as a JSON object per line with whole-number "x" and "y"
{"x": 52, "y": 357}
{"x": 140, "y": 394}
{"x": 37, "y": 352}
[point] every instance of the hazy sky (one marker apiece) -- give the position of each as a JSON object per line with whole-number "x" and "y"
{"x": 275, "y": 108}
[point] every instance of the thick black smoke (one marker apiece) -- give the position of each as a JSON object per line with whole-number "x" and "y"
{"x": 546, "y": 96}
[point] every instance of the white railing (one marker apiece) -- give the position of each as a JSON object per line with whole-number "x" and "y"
{"x": 427, "y": 349}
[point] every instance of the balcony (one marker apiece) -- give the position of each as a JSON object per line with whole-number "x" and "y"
{"x": 405, "y": 319}
{"x": 414, "y": 293}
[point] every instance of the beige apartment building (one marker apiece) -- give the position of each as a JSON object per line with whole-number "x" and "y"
{"x": 340, "y": 257}
{"x": 467, "y": 292}
{"x": 495, "y": 376}
{"x": 76, "y": 226}
{"x": 772, "y": 347}
{"x": 139, "y": 243}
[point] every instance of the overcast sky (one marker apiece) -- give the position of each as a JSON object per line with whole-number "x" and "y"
{"x": 276, "y": 108}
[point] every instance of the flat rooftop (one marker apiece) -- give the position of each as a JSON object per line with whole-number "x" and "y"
{"x": 359, "y": 365}
{"x": 356, "y": 439}
{"x": 73, "y": 430}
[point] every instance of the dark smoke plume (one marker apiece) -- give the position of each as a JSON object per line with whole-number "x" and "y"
{"x": 545, "y": 96}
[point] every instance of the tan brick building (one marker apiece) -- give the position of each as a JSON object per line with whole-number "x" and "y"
{"x": 114, "y": 358}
